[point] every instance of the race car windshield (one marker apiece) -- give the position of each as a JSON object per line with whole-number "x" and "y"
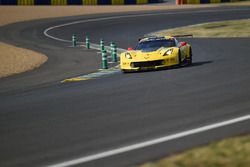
{"x": 149, "y": 46}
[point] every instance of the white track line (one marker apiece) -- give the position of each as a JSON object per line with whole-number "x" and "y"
{"x": 96, "y": 46}
{"x": 153, "y": 141}
{"x": 149, "y": 142}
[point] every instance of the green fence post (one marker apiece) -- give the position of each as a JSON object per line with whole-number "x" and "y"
{"x": 112, "y": 49}
{"x": 74, "y": 40}
{"x": 102, "y": 45}
{"x": 114, "y": 53}
{"x": 104, "y": 59}
{"x": 87, "y": 42}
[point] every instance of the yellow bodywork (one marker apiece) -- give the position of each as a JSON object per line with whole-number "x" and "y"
{"x": 154, "y": 60}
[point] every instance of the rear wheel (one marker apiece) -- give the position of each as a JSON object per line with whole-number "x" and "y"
{"x": 190, "y": 59}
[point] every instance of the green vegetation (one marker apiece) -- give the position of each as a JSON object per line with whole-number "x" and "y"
{"x": 232, "y": 152}
{"x": 233, "y": 28}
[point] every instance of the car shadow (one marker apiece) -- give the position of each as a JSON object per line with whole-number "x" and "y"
{"x": 194, "y": 64}
{"x": 200, "y": 63}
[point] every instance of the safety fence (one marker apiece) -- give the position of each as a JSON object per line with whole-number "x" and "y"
{"x": 76, "y": 2}
{"x": 112, "y": 50}
{"x": 179, "y": 2}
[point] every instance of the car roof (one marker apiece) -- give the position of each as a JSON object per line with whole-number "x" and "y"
{"x": 155, "y": 38}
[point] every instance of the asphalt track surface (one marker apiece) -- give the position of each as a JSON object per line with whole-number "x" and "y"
{"x": 43, "y": 122}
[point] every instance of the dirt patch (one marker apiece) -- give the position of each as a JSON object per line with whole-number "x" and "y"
{"x": 16, "y": 60}
{"x": 12, "y": 14}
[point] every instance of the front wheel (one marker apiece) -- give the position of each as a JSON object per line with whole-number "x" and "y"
{"x": 179, "y": 58}
{"x": 190, "y": 59}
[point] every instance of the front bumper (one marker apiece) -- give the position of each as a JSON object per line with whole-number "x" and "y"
{"x": 127, "y": 66}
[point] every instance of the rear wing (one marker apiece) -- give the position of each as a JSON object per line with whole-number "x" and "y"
{"x": 184, "y": 35}
{"x": 175, "y": 36}
{"x": 148, "y": 37}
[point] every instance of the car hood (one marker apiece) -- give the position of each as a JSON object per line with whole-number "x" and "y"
{"x": 147, "y": 56}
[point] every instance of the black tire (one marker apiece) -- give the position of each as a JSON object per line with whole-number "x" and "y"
{"x": 190, "y": 59}
{"x": 179, "y": 58}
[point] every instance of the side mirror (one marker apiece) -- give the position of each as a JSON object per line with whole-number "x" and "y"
{"x": 182, "y": 44}
{"x": 129, "y": 49}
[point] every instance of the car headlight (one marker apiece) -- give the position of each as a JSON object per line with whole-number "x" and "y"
{"x": 128, "y": 56}
{"x": 168, "y": 52}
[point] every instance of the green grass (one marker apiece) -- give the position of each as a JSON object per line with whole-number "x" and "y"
{"x": 232, "y": 152}
{"x": 233, "y": 28}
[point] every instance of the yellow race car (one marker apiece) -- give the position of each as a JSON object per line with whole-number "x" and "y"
{"x": 156, "y": 53}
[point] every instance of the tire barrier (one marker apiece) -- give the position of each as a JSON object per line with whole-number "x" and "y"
{"x": 25, "y": 2}
{"x": 8, "y": 2}
{"x": 77, "y": 2}
{"x": 179, "y": 2}
{"x": 74, "y": 2}
{"x": 90, "y": 2}
{"x": 58, "y": 2}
